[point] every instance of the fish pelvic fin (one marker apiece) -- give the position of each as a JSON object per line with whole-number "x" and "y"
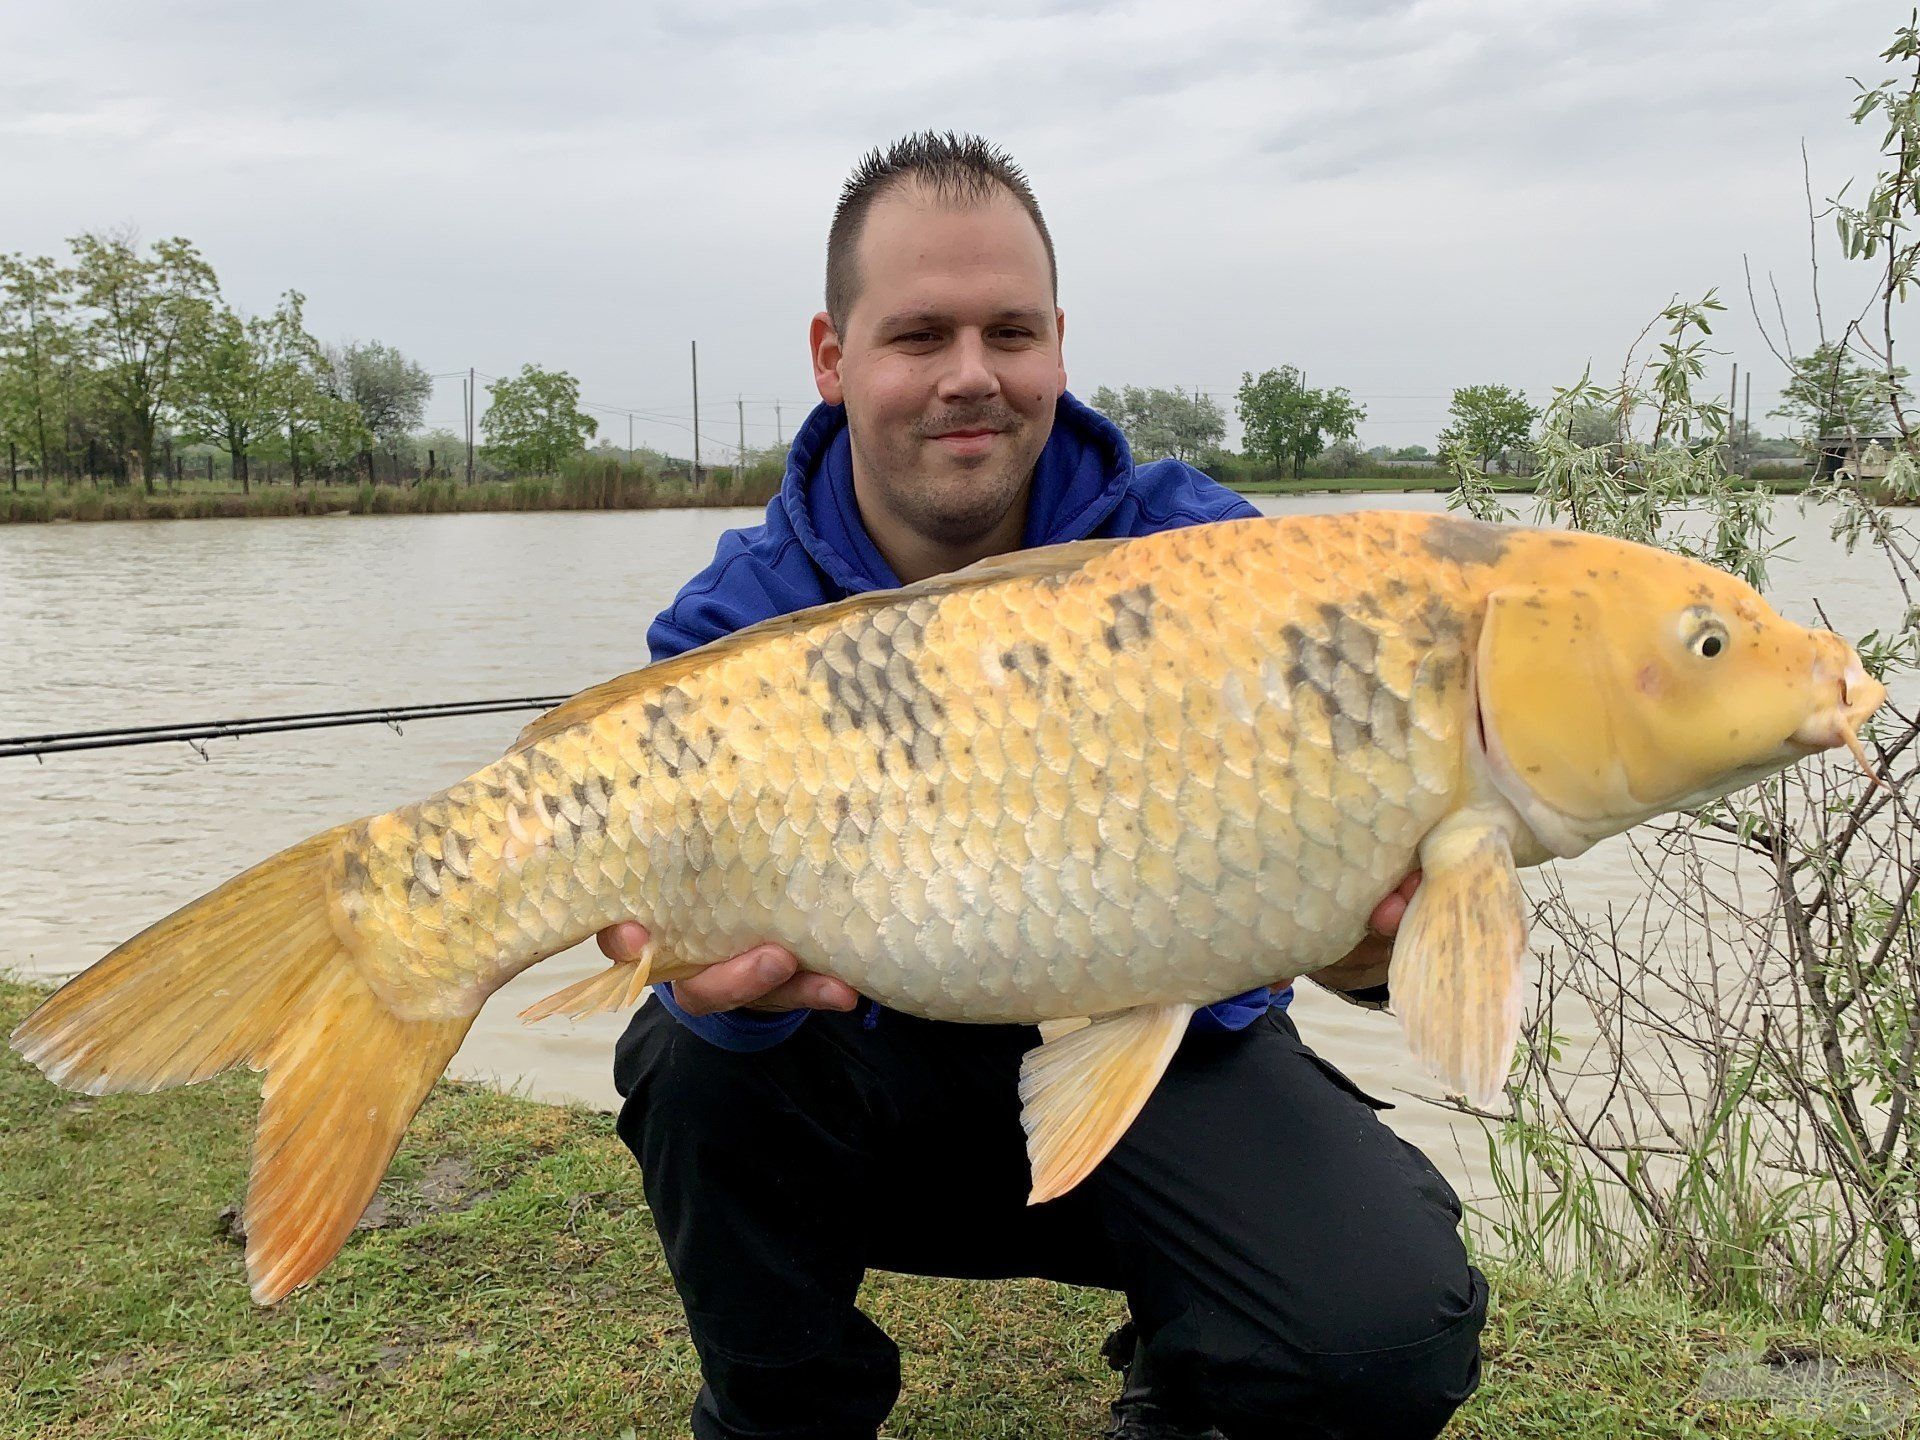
{"x": 617, "y": 987}
{"x": 1456, "y": 968}
{"x": 1079, "y": 1091}
{"x": 255, "y": 974}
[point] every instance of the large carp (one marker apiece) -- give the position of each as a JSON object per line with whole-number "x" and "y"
{"x": 1115, "y": 779}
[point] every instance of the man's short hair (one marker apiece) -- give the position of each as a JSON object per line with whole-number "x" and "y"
{"x": 957, "y": 169}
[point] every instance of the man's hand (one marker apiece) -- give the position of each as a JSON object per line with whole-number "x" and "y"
{"x": 767, "y": 977}
{"x": 1366, "y": 965}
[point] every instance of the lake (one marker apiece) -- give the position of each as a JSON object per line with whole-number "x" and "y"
{"x": 146, "y": 622}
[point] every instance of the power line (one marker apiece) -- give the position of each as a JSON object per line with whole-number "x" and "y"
{"x": 194, "y": 732}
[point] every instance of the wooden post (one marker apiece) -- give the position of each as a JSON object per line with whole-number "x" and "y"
{"x": 740, "y": 465}
{"x": 696, "y": 411}
{"x": 471, "y": 407}
{"x": 13, "y": 467}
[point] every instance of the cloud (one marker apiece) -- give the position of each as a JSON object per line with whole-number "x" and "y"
{"x": 1399, "y": 196}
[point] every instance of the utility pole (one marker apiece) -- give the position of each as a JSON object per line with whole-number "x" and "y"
{"x": 1733, "y": 399}
{"x": 629, "y": 437}
{"x": 779, "y": 430}
{"x": 696, "y": 410}
{"x": 472, "y": 405}
{"x": 740, "y": 465}
{"x": 1746, "y": 426}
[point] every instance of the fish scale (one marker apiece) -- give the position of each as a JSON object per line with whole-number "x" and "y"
{"x": 1153, "y": 775}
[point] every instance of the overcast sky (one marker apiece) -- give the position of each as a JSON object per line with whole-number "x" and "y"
{"x": 1400, "y": 198}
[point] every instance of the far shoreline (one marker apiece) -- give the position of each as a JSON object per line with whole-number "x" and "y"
{"x": 68, "y": 505}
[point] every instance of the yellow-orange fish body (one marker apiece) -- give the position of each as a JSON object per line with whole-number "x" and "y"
{"x": 1115, "y": 779}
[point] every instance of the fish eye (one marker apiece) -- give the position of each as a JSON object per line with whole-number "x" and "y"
{"x": 1709, "y": 638}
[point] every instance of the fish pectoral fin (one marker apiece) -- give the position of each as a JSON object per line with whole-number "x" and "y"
{"x": 1456, "y": 971}
{"x": 617, "y": 987}
{"x": 1079, "y": 1091}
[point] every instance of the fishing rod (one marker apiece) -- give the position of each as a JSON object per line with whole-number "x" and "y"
{"x": 194, "y": 733}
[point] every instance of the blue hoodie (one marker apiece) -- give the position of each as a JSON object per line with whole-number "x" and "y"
{"x": 812, "y": 548}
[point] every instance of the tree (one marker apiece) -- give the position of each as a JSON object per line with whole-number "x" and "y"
{"x": 312, "y": 415}
{"x": 227, "y": 390}
{"x": 1834, "y": 393}
{"x": 390, "y": 391}
{"x": 35, "y": 342}
{"x": 144, "y": 313}
{"x": 533, "y": 421}
{"x": 1487, "y": 421}
{"x": 1285, "y": 423}
{"x": 1164, "y": 422}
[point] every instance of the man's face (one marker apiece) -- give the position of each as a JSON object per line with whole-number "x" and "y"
{"x": 950, "y": 364}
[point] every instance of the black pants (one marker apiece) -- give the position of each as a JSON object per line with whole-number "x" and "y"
{"x": 1294, "y": 1268}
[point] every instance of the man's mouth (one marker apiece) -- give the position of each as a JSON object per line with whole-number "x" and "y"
{"x": 967, "y": 442}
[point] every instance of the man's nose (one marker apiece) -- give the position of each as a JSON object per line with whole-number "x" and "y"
{"x": 969, "y": 374}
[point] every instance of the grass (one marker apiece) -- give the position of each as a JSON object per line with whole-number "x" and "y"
{"x": 196, "y": 500}
{"x": 514, "y": 1286}
{"x": 1426, "y": 481}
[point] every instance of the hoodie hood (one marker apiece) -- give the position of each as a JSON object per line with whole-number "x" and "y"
{"x": 1081, "y": 476}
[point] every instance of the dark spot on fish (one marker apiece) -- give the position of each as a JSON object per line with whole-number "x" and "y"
{"x": 1444, "y": 672}
{"x": 1357, "y": 643}
{"x": 1313, "y": 662}
{"x": 1561, "y": 543}
{"x": 1464, "y": 542}
{"x": 1348, "y": 733}
{"x": 1441, "y": 621}
{"x": 1028, "y": 660}
{"x": 354, "y": 871}
{"x": 869, "y": 671}
{"x": 1132, "y": 617}
{"x": 933, "y": 795}
{"x": 1396, "y": 587}
{"x": 673, "y": 749}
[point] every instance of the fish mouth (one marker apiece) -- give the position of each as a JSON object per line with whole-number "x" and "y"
{"x": 1838, "y": 724}
{"x": 1859, "y": 695}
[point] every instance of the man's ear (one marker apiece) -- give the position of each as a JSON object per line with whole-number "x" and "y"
{"x": 1060, "y": 339}
{"x": 824, "y": 341}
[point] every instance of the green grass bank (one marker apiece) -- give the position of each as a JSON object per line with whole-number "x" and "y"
{"x": 197, "y": 501}
{"x": 508, "y": 1283}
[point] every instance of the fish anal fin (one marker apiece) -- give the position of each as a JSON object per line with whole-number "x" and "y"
{"x": 615, "y": 988}
{"x": 1080, "y": 1091}
{"x": 1456, "y": 970}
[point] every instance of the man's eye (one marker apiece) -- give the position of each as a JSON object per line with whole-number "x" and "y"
{"x": 917, "y": 337}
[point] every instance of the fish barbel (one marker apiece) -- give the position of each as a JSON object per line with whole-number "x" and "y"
{"x": 1110, "y": 779}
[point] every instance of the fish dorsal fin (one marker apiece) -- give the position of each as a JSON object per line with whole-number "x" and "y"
{"x": 1021, "y": 564}
{"x": 1080, "y": 1090}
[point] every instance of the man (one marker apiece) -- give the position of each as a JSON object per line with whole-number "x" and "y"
{"x": 1293, "y": 1268}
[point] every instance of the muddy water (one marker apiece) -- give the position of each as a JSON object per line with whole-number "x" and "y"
{"x": 135, "y": 623}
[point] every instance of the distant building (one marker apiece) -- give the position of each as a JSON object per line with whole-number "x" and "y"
{"x": 1864, "y": 457}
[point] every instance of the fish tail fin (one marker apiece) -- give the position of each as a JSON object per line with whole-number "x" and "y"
{"x": 617, "y": 987}
{"x": 255, "y": 973}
